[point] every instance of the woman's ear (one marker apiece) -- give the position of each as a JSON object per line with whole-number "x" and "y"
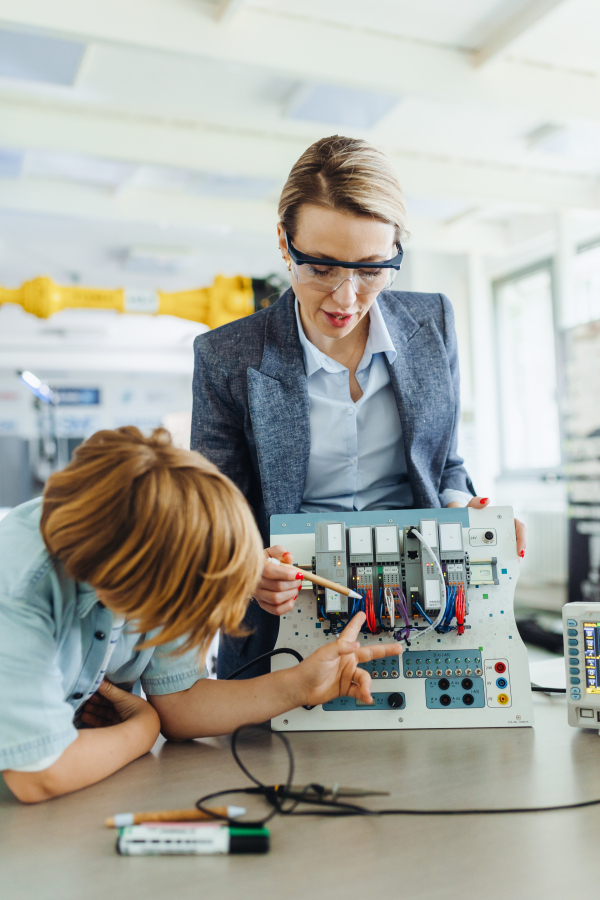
{"x": 283, "y": 244}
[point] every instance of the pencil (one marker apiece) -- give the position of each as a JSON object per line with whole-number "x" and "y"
{"x": 121, "y": 820}
{"x": 318, "y": 579}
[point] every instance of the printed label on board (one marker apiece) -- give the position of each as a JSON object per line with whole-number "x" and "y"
{"x": 141, "y": 301}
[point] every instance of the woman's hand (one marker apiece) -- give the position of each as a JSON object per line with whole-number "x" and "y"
{"x": 272, "y": 593}
{"x": 520, "y": 529}
{"x": 332, "y": 671}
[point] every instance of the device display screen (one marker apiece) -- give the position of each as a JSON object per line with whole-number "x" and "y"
{"x": 591, "y": 633}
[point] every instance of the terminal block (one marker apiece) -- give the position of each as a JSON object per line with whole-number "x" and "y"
{"x": 389, "y": 572}
{"x": 330, "y": 562}
{"x": 432, "y": 586}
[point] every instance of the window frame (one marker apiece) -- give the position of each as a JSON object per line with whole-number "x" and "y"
{"x": 549, "y": 473}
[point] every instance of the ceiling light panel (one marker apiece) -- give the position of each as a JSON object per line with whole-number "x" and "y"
{"x": 39, "y": 57}
{"x": 11, "y": 163}
{"x": 235, "y": 187}
{"x": 77, "y": 167}
{"x": 340, "y": 105}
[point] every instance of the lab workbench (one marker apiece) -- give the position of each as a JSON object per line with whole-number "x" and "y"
{"x": 60, "y": 850}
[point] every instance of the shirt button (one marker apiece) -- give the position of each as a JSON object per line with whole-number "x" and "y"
{"x": 350, "y": 411}
{"x": 99, "y": 635}
{"x": 77, "y": 696}
{"x": 352, "y": 461}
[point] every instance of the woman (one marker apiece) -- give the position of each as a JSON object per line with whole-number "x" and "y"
{"x": 343, "y": 395}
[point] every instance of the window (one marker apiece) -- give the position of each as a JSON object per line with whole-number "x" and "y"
{"x": 585, "y": 306}
{"x": 530, "y": 432}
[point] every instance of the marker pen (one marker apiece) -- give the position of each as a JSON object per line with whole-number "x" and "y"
{"x": 195, "y": 839}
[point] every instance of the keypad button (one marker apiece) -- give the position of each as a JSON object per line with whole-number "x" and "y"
{"x": 573, "y": 671}
{"x": 575, "y": 681}
{"x": 573, "y": 642}
{"x": 572, "y": 632}
{"x": 586, "y": 713}
{"x": 571, "y": 622}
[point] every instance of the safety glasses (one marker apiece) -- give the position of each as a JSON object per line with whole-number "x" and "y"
{"x": 327, "y": 275}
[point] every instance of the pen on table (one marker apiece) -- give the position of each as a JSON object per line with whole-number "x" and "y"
{"x": 122, "y": 820}
{"x": 318, "y": 579}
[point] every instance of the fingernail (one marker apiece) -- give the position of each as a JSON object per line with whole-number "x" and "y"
{"x": 484, "y": 500}
{"x": 299, "y": 576}
{"x": 522, "y": 553}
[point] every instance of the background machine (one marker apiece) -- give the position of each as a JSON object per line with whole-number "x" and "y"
{"x": 442, "y": 582}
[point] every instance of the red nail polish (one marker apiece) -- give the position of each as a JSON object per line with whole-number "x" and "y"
{"x": 484, "y": 499}
{"x": 299, "y": 576}
{"x": 522, "y": 553}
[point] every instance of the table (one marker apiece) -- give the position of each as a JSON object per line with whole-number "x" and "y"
{"x": 60, "y": 850}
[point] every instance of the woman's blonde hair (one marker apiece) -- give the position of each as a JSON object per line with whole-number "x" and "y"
{"x": 348, "y": 175}
{"x": 171, "y": 538}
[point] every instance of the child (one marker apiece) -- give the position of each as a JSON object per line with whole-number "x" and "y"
{"x": 136, "y": 556}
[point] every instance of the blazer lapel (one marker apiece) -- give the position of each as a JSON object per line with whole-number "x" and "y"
{"x": 422, "y": 384}
{"x": 279, "y": 411}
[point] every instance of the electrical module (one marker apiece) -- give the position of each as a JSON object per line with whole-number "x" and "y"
{"x": 581, "y": 629}
{"x": 439, "y": 581}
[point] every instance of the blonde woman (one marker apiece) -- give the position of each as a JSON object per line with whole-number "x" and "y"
{"x": 135, "y": 546}
{"x": 343, "y": 395}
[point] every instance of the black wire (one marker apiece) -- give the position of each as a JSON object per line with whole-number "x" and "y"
{"x": 276, "y": 795}
{"x": 264, "y": 656}
{"x": 545, "y": 690}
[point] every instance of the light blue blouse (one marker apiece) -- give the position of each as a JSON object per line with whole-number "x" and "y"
{"x": 54, "y": 642}
{"x": 357, "y": 456}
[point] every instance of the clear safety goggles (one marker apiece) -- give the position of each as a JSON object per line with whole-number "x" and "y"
{"x": 327, "y": 275}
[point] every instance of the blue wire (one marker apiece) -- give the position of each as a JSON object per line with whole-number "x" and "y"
{"x": 421, "y": 611}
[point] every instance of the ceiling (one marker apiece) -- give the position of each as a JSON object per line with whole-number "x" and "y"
{"x": 173, "y": 123}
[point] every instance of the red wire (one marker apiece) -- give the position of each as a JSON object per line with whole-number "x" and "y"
{"x": 370, "y": 612}
{"x": 461, "y": 610}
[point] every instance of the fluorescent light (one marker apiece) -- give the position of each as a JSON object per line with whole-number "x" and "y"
{"x": 339, "y": 105}
{"x": 31, "y": 56}
{"x": 39, "y": 388}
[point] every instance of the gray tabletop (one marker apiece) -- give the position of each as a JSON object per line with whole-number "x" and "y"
{"x": 60, "y": 850}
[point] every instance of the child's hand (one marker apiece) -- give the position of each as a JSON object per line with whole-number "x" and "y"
{"x": 332, "y": 671}
{"x": 110, "y": 705}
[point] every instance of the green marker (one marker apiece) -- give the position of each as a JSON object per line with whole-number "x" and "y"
{"x": 190, "y": 839}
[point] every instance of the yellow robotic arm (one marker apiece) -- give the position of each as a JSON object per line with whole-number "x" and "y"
{"x": 224, "y": 301}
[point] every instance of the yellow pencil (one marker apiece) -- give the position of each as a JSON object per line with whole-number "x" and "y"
{"x": 121, "y": 820}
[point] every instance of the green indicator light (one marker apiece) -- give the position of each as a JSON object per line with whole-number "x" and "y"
{"x": 417, "y": 661}
{"x": 447, "y": 659}
{"x": 438, "y": 660}
{"x": 457, "y": 659}
{"x": 467, "y": 660}
{"x": 477, "y": 659}
{"x": 427, "y": 661}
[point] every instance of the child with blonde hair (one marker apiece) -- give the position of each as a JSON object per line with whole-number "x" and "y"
{"x": 137, "y": 554}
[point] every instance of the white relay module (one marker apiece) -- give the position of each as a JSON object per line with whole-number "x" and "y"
{"x": 440, "y": 581}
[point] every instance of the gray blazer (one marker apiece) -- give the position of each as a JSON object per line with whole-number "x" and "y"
{"x": 251, "y": 417}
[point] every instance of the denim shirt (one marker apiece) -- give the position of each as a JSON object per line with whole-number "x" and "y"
{"x": 53, "y": 646}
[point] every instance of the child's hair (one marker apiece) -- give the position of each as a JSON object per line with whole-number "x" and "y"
{"x": 165, "y": 532}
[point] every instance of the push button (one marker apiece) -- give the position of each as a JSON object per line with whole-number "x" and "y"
{"x": 572, "y": 632}
{"x": 573, "y": 671}
{"x": 571, "y": 622}
{"x": 99, "y": 635}
{"x": 573, "y": 642}
{"x": 574, "y": 680}
{"x": 586, "y": 713}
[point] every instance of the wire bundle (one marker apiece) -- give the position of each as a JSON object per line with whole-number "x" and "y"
{"x": 370, "y": 611}
{"x": 461, "y": 609}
